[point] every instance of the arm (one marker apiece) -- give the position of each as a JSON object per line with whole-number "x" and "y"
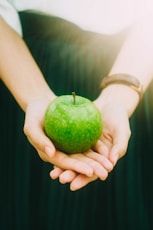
{"x": 25, "y": 81}
{"x": 18, "y": 70}
{"x": 117, "y": 102}
{"x": 135, "y": 58}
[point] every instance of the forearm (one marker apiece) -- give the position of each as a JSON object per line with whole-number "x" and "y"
{"x": 136, "y": 59}
{"x": 18, "y": 69}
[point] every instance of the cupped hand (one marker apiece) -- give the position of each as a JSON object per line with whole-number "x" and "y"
{"x": 112, "y": 145}
{"x": 116, "y": 131}
{"x": 88, "y": 164}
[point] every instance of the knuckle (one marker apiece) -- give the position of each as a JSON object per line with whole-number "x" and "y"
{"x": 95, "y": 165}
{"x": 42, "y": 156}
{"x": 123, "y": 151}
{"x": 26, "y": 130}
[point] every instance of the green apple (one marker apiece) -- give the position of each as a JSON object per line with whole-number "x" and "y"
{"x": 73, "y": 123}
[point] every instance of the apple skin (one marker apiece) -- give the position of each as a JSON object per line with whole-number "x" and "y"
{"x": 73, "y": 126}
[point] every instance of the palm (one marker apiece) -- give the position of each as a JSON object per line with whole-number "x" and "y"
{"x": 112, "y": 144}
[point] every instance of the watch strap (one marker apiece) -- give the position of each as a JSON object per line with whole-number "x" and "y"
{"x": 125, "y": 79}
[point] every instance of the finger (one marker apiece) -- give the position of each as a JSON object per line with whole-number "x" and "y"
{"x": 101, "y": 148}
{"x": 44, "y": 156}
{"x": 100, "y": 159}
{"x": 38, "y": 139}
{"x": 72, "y": 162}
{"x": 98, "y": 169}
{"x": 66, "y": 162}
{"x": 67, "y": 176}
{"x": 81, "y": 181}
{"x": 55, "y": 173}
{"x": 118, "y": 149}
{"x": 64, "y": 176}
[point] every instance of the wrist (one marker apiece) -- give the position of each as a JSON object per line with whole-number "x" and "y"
{"x": 125, "y": 79}
{"x": 44, "y": 95}
{"x": 119, "y": 94}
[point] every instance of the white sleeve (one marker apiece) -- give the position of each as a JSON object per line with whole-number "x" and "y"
{"x": 10, "y": 15}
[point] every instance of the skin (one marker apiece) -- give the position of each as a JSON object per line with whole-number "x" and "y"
{"x": 112, "y": 145}
{"x": 117, "y": 102}
{"x": 33, "y": 95}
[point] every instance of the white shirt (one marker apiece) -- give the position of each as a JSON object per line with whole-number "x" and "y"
{"x": 9, "y": 13}
{"x": 102, "y": 16}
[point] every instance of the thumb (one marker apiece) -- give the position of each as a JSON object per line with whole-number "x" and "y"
{"x": 36, "y": 136}
{"x": 119, "y": 148}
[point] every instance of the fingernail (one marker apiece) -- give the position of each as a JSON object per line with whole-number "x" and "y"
{"x": 72, "y": 188}
{"x": 49, "y": 151}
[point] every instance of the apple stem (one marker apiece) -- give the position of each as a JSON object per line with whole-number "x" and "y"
{"x": 74, "y": 97}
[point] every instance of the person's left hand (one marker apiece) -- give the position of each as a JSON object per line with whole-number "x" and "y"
{"x": 112, "y": 144}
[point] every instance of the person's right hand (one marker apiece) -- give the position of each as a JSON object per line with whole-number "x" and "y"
{"x": 89, "y": 164}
